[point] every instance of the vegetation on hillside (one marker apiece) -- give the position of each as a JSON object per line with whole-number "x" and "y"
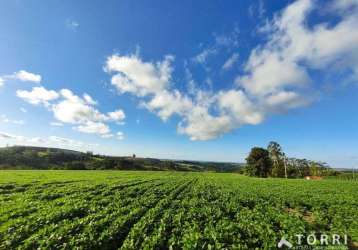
{"x": 261, "y": 162}
{"x": 23, "y": 157}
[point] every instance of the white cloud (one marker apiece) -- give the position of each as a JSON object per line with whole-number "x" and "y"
{"x": 73, "y": 109}
{"x": 344, "y": 5}
{"x": 117, "y": 115}
{"x": 276, "y": 75}
{"x": 167, "y": 103}
{"x": 23, "y": 110}
{"x": 148, "y": 79}
{"x": 5, "y": 119}
{"x": 285, "y": 100}
{"x": 230, "y": 61}
{"x": 56, "y": 124}
{"x": 272, "y": 74}
{"x": 70, "y": 108}
{"x": 238, "y": 106}
{"x": 26, "y": 76}
{"x": 38, "y": 95}
{"x": 88, "y": 99}
{"x": 200, "y": 125}
{"x": 294, "y": 47}
{"x": 138, "y": 77}
{"x": 22, "y": 75}
{"x": 91, "y": 127}
{"x": 120, "y": 136}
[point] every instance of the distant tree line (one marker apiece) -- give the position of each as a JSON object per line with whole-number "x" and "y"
{"x": 273, "y": 162}
{"x": 24, "y": 157}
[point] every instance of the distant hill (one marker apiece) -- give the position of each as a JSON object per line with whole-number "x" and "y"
{"x": 25, "y": 157}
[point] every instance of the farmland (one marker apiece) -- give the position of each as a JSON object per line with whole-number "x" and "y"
{"x": 159, "y": 210}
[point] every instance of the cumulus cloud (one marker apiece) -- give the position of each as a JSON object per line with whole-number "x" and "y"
{"x": 117, "y": 115}
{"x": 166, "y": 103}
{"x": 26, "y": 76}
{"x": 72, "y": 109}
{"x": 238, "y": 106}
{"x": 75, "y": 110}
{"x": 294, "y": 47}
{"x": 276, "y": 75}
{"x": 284, "y": 100}
{"x": 133, "y": 75}
{"x": 199, "y": 124}
{"x": 162, "y": 99}
{"x": 138, "y": 77}
{"x": 22, "y": 75}
{"x": 38, "y": 95}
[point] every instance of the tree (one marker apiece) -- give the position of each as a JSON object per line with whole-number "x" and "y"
{"x": 278, "y": 160}
{"x": 258, "y": 162}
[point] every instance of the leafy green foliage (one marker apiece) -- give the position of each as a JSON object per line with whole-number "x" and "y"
{"x": 258, "y": 162}
{"x": 161, "y": 210}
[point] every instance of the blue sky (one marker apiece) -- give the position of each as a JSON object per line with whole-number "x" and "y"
{"x": 201, "y": 80}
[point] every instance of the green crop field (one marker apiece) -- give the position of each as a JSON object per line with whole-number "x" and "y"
{"x": 168, "y": 210}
